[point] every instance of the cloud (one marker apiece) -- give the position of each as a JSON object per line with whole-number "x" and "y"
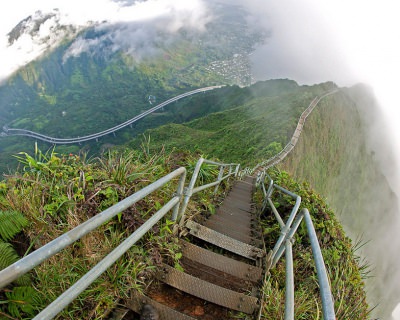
{"x": 143, "y": 19}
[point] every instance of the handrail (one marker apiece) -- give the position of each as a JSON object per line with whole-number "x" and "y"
{"x": 27, "y": 133}
{"x": 284, "y": 244}
{"x": 191, "y": 189}
{"x": 182, "y": 194}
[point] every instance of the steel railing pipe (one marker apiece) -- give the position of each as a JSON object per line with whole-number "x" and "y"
{"x": 27, "y": 263}
{"x": 324, "y": 286}
{"x": 69, "y": 295}
{"x": 289, "y": 293}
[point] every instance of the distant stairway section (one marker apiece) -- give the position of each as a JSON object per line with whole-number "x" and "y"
{"x": 223, "y": 261}
{"x": 95, "y": 136}
{"x": 295, "y": 137}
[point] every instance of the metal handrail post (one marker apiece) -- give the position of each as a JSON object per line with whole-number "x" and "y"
{"x": 237, "y": 170}
{"x": 179, "y": 193}
{"x": 220, "y": 175}
{"x": 270, "y": 187}
{"x": 288, "y": 225}
{"x": 289, "y": 294}
{"x": 189, "y": 190}
{"x": 289, "y": 236}
{"x": 328, "y": 309}
{"x": 276, "y": 213}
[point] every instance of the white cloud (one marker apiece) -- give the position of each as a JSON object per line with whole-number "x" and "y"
{"x": 168, "y": 15}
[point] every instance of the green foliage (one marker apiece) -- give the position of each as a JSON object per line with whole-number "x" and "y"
{"x": 57, "y": 96}
{"x": 260, "y": 120}
{"x": 344, "y": 267}
{"x": 8, "y": 255}
{"x": 22, "y": 302}
{"x": 11, "y": 222}
{"x": 57, "y": 192}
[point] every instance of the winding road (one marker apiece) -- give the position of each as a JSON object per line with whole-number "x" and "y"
{"x": 27, "y": 133}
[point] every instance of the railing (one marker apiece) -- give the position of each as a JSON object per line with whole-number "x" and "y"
{"x": 27, "y": 133}
{"x": 182, "y": 194}
{"x": 284, "y": 244}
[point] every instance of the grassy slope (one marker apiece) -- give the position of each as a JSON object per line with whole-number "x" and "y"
{"x": 345, "y": 270}
{"x": 253, "y": 117}
{"x": 55, "y": 199}
{"x": 251, "y": 131}
{"x": 351, "y": 180}
{"x": 56, "y": 97}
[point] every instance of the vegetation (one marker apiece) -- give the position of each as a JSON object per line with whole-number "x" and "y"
{"x": 56, "y": 95}
{"x": 261, "y": 121}
{"x": 345, "y": 269}
{"x": 347, "y": 127}
{"x": 54, "y": 193}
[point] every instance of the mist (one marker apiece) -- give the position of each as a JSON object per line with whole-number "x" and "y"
{"x": 309, "y": 41}
{"x": 134, "y": 26}
{"x": 348, "y": 42}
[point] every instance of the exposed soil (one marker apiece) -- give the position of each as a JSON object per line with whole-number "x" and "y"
{"x": 187, "y": 304}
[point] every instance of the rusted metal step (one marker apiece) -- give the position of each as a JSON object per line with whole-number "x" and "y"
{"x": 223, "y": 241}
{"x": 138, "y": 300}
{"x": 207, "y": 291}
{"x": 219, "y": 278}
{"x": 219, "y": 262}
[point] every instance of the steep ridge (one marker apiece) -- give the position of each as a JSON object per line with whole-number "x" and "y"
{"x": 352, "y": 181}
{"x": 214, "y": 223}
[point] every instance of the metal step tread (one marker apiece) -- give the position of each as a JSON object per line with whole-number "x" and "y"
{"x": 230, "y": 219}
{"x": 244, "y": 208}
{"x": 220, "y": 262}
{"x": 238, "y": 232}
{"x": 223, "y": 241}
{"x": 165, "y": 313}
{"x": 239, "y": 212}
{"x": 207, "y": 291}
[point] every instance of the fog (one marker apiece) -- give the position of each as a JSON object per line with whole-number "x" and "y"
{"x": 309, "y": 41}
{"x": 347, "y": 42}
{"x": 152, "y": 15}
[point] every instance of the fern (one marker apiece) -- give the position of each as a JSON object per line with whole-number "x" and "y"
{"x": 22, "y": 301}
{"x": 11, "y": 223}
{"x": 7, "y": 255}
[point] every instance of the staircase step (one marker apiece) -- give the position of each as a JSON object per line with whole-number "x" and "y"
{"x": 238, "y": 232}
{"x": 207, "y": 291}
{"x": 165, "y": 313}
{"x": 222, "y": 263}
{"x": 230, "y": 220}
{"x": 223, "y": 241}
{"x": 234, "y": 214}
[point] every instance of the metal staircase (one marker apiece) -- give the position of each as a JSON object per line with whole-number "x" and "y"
{"x": 223, "y": 261}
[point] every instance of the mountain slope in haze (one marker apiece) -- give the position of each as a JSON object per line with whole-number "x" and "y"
{"x": 341, "y": 154}
{"x": 106, "y": 73}
{"x": 263, "y": 120}
{"x": 99, "y": 75}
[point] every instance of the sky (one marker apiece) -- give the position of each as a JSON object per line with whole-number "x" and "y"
{"x": 311, "y": 41}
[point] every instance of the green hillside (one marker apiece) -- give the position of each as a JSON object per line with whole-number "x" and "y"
{"x": 65, "y": 95}
{"x": 263, "y": 120}
{"x": 234, "y": 124}
{"x": 336, "y": 156}
{"x": 47, "y": 197}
